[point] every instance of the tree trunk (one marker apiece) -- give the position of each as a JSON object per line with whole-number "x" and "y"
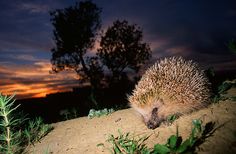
{"x": 92, "y": 96}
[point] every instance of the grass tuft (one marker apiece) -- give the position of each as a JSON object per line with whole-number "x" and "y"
{"x": 36, "y": 130}
{"x": 125, "y": 144}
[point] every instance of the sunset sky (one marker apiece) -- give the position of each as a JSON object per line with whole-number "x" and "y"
{"x": 196, "y": 29}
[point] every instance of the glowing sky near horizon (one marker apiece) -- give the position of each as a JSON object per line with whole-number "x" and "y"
{"x": 194, "y": 29}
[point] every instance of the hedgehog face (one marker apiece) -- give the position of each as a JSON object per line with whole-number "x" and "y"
{"x": 150, "y": 114}
{"x": 154, "y": 121}
{"x": 151, "y": 119}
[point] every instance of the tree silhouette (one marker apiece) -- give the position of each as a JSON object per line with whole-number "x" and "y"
{"x": 121, "y": 48}
{"x": 75, "y": 31}
{"x": 95, "y": 70}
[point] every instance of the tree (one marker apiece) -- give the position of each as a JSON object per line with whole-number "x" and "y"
{"x": 75, "y": 30}
{"x": 121, "y": 48}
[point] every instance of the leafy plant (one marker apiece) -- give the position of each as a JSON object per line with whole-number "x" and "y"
{"x": 232, "y": 45}
{"x": 175, "y": 144}
{"x": 36, "y": 130}
{"x": 8, "y": 137}
{"x": 97, "y": 113}
{"x": 125, "y": 144}
{"x": 65, "y": 113}
{"x": 70, "y": 113}
{"x": 14, "y": 137}
{"x": 222, "y": 90}
{"x": 171, "y": 118}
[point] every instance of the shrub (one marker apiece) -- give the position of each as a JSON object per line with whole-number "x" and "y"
{"x": 13, "y": 136}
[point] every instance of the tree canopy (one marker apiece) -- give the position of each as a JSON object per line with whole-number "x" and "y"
{"x": 75, "y": 30}
{"x": 122, "y": 48}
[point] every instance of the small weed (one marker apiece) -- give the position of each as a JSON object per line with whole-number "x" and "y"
{"x": 65, "y": 113}
{"x": 175, "y": 144}
{"x": 47, "y": 151}
{"x": 171, "y": 118}
{"x": 69, "y": 113}
{"x": 97, "y": 113}
{"x": 36, "y": 130}
{"x": 222, "y": 90}
{"x": 232, "y": 45}
{"x": 124, "y": 144}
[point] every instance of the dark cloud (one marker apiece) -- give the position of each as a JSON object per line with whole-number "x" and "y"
{"x": 202, "y": 26}
{"x": 25, "y": 25}
{"x": 198, "y": 30}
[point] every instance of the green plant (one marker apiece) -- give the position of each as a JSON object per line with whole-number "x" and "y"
{"x": 46, "y": 151}
{"x": 171, "y": 118}
{"x": 15, "y": 133}
{"x": 175, "y": 144}
{"x": 222, "y": 90}
{"x": 232, "y": 45}
{"x": 97, "y": 113}
{"x": 9, "y": 136}
{"x": 36, "y": 130}
{"x": 65, "y": 113}
{"x": 70, "y": 113}
{"x": 125, "y": 144}
{"x": 74, "y": 112}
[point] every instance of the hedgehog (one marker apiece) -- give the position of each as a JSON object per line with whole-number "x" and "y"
{"x": 172, "y": 86}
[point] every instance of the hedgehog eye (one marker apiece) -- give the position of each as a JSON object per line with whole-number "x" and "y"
{"x": 154, "y": 111}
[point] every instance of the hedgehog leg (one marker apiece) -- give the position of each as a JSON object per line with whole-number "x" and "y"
{"x": 154, "y": 121}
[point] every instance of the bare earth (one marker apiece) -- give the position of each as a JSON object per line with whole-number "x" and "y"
{"x": 81, "y": 136}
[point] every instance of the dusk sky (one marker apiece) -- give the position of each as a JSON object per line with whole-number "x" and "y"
{"x": 195, "y": 29}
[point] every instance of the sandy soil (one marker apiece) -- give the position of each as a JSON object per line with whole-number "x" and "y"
{"x": 81, "y": 136}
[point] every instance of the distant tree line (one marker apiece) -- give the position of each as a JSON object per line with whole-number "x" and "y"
{"x": 77, "y": 28}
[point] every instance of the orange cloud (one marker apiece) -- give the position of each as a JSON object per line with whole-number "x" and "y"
{"x": 34, "y": 80}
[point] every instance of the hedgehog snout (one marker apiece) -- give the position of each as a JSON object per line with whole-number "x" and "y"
{"x": 151, "y": 125}
{"x": 154, "y": 120}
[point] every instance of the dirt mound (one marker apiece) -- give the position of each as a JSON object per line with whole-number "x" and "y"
{"x": 81, "y": 136}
